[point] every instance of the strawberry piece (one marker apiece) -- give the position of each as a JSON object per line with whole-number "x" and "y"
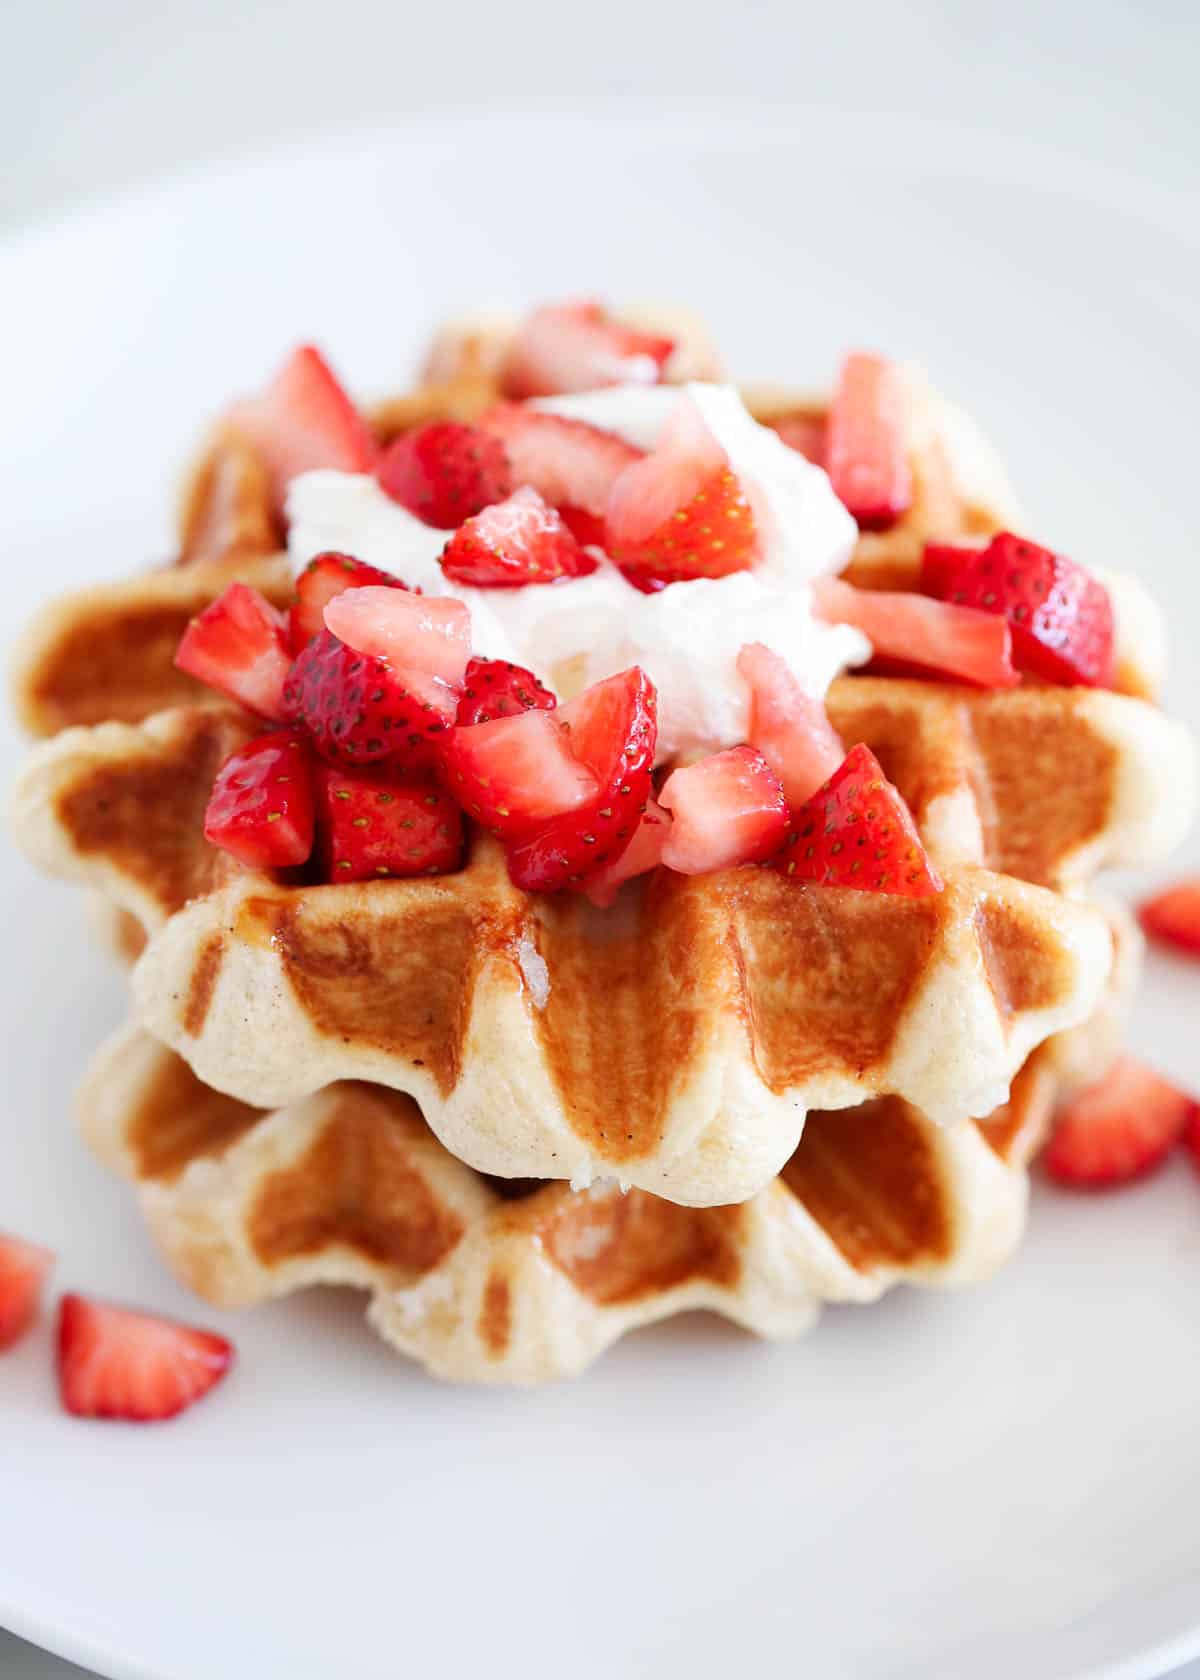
{"x": 856, "y": 831}
{"x": 866, "y": 454}
{"x": 113, "y": 1363}
{"x": 372, "y": 826}
{"x": 427, "y": 640}
{"x": 1174, "y": 916}
{"x": 304, "y": 420}
{"x": 790, "y": 729}
{"x": 643, "y": 853}
{"x": 494, "y": 688}
{"x": 805, "y": 433}
{"x": 572, "y": 465}
{"x": 613, "y": 731}
{"x": 326, "y": 577}
{"x": 913, "y": 635}
{"x": 726, "y": 809}
{"x": 1060, "y": 616}
{"x": 261, "y": 805}
{"x": 359, "y": 710}
{"x": 516, "y": 772}
{"x": 1191, "y": 1135}
{"x": 578, "y": 347}
{"x": 23, "y": 1270}
{"x": 517, "y": 541}
{"x": 1119, "y": 1129}
{"x": 446, "y": 472}
{"x": 239, "y": 645}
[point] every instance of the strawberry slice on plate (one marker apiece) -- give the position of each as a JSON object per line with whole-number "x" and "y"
{"x": 866, "y": 449}
{"x": 240, "y": 645}
{"x": 1060, "y": 616}
{"x": 856, "y": 831}
{"x": 913, "y": 635}
{"x": 304, "y": 420}
{"x": 516, "y": 772}
{"x": 372, "y": 825}
{"x": 572, "y": 465}
{"x": 577, "y": 346}
{"x": 360, "y": 710}
{"x": 1173, "y": 916}
{"x": 446, "y": 472}
{"x": 261, "y": 805}
{"x": 114, "y": 1363}
{"x": 643, "y": 853}
{"x": 326, "y": 577}
{"x": 726, "y": 809}
{"x": 495, "y": 688}
{"x": 790, "y": 729}
{"x": 426, "y": 639}
{"x": 1119, "y": 1129}
{"x": 518, "y": 541}
{"x": 24, "y": 1267}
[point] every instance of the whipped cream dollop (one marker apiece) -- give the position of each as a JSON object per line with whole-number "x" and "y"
{"x": 578, "y": 630}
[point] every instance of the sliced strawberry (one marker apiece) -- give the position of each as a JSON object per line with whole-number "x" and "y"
{"x": 326, "y": 577}
{"x": 23, "y": 1270}
{"x": 789, "y": 727}
{"x": 1174, "y": 916}
{"x": 856, "y": 831}
{"x": 261, "y": 805}
{"x": 1119, "y": 1129}
{"x": 113, "y": 1363}
{"x": 643, "y": 853}
{"x": 446, "y": 472}
{"x": 578, "y": 347}
{"x": 866, "y": 451}
{"x": 359, "y": 710}
{"x": 913, "y": 635}
{"x": 613, "y": 731}
{"x": 516, "y": 772}
{"x": 726, "y": 809}
{"x": 805, "y": 433}
{"x": 517, "y": 541}
{"x": 493, "y": 688}
{"x": 427, "y": 640}
{"x": 1060, "y": 616}
{"x": 570, "y": 464}
{"x": 240, "y": 646}
{"x": 372, "y": 826}
{"x": 1191, "y": 1135}
{"x": 303, "y": 420}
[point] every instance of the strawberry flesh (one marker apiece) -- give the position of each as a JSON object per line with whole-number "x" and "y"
{"x": 304, "y": 420}
{"x": 113, "y": 1363}
{"x": 578, "y": 347}
{"x": 516, "y": 772}
{"x": 494, "y": 688}
{"x": 913, "y": 635}
{"x": 789, "y": 727}
{"x": 1173, "y": 916}
{"x": 518, "y": 541}
{"x": 240, "y": 645}
{"x": 426, "y": 639}
{"x": 1119, "y": 1129}
{"x": 261, "y": 805}
{"x": 358, "y": 710}
{"x": 326, "y": 577}
{"x": 643, "y": 853}
{"x": 866, "y": 453}
{"x": 726, "y": 809}
{"x": 572, "y": 465}
{"x": 446, "y": 472}
{"x": 23, "y": 1270}
{"x": 372, "y": 825}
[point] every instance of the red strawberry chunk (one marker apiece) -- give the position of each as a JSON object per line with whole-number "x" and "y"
{"x": 1191, "y": 1135}
{"x": 789, "y": 727}
{"x": 726, "y": 809}
{"x": 643, "y": 853}
{"x": 303, "y": 420}
{"x": 240, "y": 646}
{"x": 913, "y": 635}
{"x": 326, "y": 577}
{"x": 1119, "y": 1129}
{"x": 866, "y": 449}
{"x": 517, "y": 541}
{"x": 516, "y": 772}
{"x": 426, "y": 639}
{"x": 1174, "y": 916}
{"x": 1060, "y": 616}
{"x": 613, "y": 732}
{"x": 360, "y": 710}
{"x": 446, "y": 472}
{"x": 23, "y": 1270}
{"x": 494, "y": 688}
{"x": 113, "y": 1363}
{"x": 572, "y": 465}
{"x": 578, "y": 347}
{"x": 856, "y": 831}
{"x": 374, "y": 825}
{"x": 261, "y": 805}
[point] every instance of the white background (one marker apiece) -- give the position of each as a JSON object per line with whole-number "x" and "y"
{"x": 95, "y": 93}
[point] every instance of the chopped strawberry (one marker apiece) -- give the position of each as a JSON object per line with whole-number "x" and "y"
{"x": 856, "y": 831}
{"x": 517, "y": 541}
{"x": 371, "y": 826}
{"x": 1060, "y": 616}
{"x": 427, "y": 640}
{"x": 569, "y": 463}
{"x": 726, "y": 809}
{"x": 446, "y": 472}
{"x": 113, "y": 1363}
{"x": 359, "y": 710}
{"x": 23, "y": 1270}
{"x": 1174, "y": 916}
{"x": 643, "y": 853}
{"x": 805, "y": 433}
{"x": 493, "y": 688}
{"x": 789, "y": 727}
{"x": 1191, "y": 1135}
{"x": 1119, "y": 1129}
{"x": 915, "y": 636}
{"x": 516, "y": 772}
{"x": 613, "y": 731}
{"x": 239, "y": 645}
{"x": 261, "y": 805}
{"x": 866, "y": 454}
{"x": 578, "y": 347}
{"x": 304, "y": 419}
{"x": 326, "y": 577}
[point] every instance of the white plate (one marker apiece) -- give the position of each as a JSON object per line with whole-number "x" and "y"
{"x": 999, "y": 1482}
